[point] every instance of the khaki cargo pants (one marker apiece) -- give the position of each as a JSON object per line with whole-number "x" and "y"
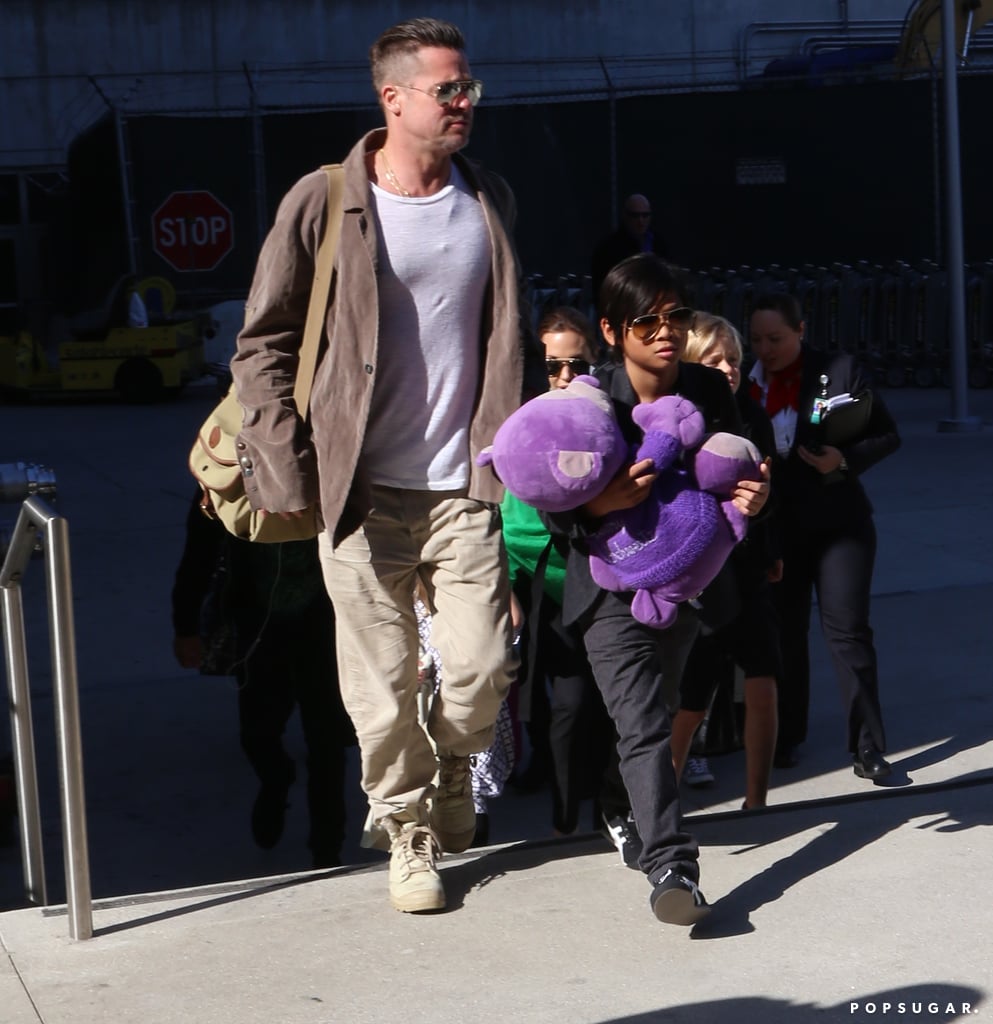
{"x": 454, "y": 546}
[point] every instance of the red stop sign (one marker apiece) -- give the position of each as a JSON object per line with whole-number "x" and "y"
{"x": 192, "y": 231}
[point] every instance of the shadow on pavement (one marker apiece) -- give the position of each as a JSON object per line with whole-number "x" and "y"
{"x": 935, "y": 1001}
{"x": 841, "y": 836}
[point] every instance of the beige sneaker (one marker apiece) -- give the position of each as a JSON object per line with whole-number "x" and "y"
{"x": 415, "y": 884}
{"x": 452, "y": 815}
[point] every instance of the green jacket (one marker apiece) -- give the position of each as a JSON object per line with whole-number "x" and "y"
{"x": 526, "y": 537}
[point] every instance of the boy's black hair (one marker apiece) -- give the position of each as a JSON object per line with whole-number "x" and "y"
{"x": 635, "y": 286}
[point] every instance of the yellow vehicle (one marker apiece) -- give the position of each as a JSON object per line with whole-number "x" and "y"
{"x": 104, "y": 354}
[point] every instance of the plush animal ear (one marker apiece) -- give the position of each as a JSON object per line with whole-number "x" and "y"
{"x": 576, "y": 465}
{"x": 580, "y": 476}
{"x": 672, "y": 414}
{"x": 570, "y": 479}
{"x": 722, "y": 460}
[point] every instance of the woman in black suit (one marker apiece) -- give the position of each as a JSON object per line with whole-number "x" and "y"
{"x": 827, "y": 530}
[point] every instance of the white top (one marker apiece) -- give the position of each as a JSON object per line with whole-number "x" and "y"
{"x": 434, "y": 259}
{"x": 784, "y": 422}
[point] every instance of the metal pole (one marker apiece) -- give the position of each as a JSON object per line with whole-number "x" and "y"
{"x": 615, "y": 202}
{"x": 258, "y": 160}
{"x": 62, "y": 633}
{"x": 939, "y": 234}
{"x": 22, "y": 729}
{"x": 959, "y": 422}
{"x": 124, "y": 169}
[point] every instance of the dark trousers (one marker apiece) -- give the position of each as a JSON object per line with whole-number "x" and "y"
{"x": 627, "y": 660}
{"x": 568, "y": 724}
{"x": 837, "y": 566}
{"x": 581, "y": 736}
{"x": 290, "y": 663}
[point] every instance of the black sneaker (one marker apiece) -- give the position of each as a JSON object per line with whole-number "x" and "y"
{"x": 676, "y": 899}
{"x": 623, "y": 833}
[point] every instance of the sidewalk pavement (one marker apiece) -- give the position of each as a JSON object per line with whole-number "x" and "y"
{"x": 842, "y": 901}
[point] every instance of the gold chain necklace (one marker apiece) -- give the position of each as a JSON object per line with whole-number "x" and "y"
{"x": 391, "y": 177}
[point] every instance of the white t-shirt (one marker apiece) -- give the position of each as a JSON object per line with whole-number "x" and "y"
{"x": 434, "y": 256}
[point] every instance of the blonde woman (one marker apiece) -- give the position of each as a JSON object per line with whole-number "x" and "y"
{"x": 752, "y": 639}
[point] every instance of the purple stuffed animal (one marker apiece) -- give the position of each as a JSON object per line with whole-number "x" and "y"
{"x": 560, "y": 450}
{"x": 668, "y": 548}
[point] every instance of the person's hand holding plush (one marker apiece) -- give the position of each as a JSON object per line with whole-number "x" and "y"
{"x": 565, "y": 450}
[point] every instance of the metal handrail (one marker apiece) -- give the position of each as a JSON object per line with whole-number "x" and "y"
{"x": 35, "y": 516}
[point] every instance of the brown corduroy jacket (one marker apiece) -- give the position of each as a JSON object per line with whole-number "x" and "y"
{"x": 290, "y": 465}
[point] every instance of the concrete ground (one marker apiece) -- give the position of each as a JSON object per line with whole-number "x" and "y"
{"x": 842, "y": 901}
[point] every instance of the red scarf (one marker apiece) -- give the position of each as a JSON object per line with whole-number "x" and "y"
{"x": 784, "y": 389}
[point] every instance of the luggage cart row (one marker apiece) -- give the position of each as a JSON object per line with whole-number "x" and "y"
{"x": 546, "y": 293}
{"x": 895, "y": 317}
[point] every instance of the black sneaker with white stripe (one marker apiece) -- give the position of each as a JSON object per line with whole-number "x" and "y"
{"x": 677, "y": 899}
{"x": 623, "y": 833}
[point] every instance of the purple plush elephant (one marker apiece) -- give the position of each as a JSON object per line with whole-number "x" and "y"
{"x": 560, "y": 450}
{"x": 668, "y": 548}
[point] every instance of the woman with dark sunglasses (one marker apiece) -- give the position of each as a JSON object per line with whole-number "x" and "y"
{"x": 569, "y": 343}
{"x": 645, "y": 321}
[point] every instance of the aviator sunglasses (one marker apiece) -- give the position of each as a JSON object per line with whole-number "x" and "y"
{"x": 646, "y": 327}
{"x": 577, "y": 365}
{"x": 445, "y": 93}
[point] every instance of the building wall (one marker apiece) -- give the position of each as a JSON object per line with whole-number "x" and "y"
{"x": 65, "y": 61}
{"x": 854, "y": 176}
{"x": 174, "y": 80}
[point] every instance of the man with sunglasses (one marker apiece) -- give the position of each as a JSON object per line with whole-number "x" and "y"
{"x": 423, "y": 360}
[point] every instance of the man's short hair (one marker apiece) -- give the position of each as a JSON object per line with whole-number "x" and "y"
{"x": 404, "y": 40}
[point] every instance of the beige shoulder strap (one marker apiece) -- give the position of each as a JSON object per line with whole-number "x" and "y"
{"x": 321, "y": 288}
